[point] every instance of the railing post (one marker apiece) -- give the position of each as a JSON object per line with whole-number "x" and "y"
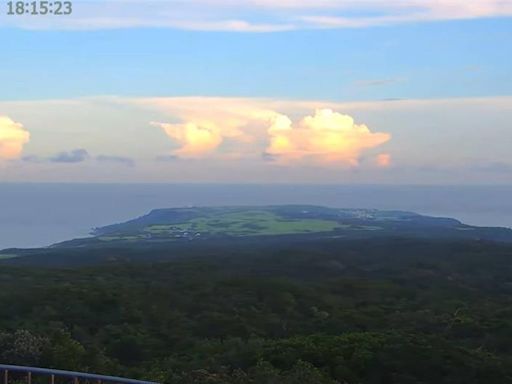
{"x": 59, "y": 376}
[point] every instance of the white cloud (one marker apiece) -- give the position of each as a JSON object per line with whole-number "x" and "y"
{"x": 12, "y": 138}
{"x": 327, "y": 137}
{"x": 245, "y": 128}
{"x": 433, "y": 132}
{"x": 195, "y": 140}
{"x": 260, "y": 15}
{"x": 412, "y": 11}
{"x": 207, "y": 123}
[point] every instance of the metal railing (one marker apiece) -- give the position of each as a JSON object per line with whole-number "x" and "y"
{"x": 53, "y": 374}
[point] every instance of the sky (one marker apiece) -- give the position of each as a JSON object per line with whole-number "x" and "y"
{"x": 260, "y": 91}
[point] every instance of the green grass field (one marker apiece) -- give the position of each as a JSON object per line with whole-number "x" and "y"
{"x": 250, "y": 222}
{"x": 246, "y": 223}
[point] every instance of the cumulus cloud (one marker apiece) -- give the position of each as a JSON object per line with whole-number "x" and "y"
{"x": 262, "y": 130}
{"x": 195, "y": 140}
{"x": 74, "y": 156}
{"x": 210, "y": 124}
{"x": 13, "y": 136}
{"x": 325, "y": 137}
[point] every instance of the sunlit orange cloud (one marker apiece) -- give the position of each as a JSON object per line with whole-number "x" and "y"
{"x": 207, "y": 123}
{"x": 383, "y": 160}
{"x": 326, "y": 137}
{"x": 12, "y": 138}
{"x": 195, "y": 140}
{"x": 230, "y": 128}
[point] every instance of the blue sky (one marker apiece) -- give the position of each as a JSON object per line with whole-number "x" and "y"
{"x": 277, "y": 80}
{"x": 426, "y": 60}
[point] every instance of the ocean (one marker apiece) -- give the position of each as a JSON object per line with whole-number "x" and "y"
{"x": 34, "y": 215}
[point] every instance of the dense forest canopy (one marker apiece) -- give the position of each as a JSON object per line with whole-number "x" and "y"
{"x": 382, "y": 310}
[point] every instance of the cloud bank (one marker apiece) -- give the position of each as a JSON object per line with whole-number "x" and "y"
{"x": 453, "y": 128}
{"x": 77, "y": 156}
{"x": 13, "y": 136}
{"x": 325, "y": 137}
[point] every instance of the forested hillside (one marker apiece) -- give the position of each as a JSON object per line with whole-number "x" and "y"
{"x": 360, "y": 311}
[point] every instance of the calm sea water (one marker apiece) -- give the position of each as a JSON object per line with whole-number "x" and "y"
{"x": 33, "y": 215}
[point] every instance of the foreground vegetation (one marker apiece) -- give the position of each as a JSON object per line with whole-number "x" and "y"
{"x": 361, "y": 311}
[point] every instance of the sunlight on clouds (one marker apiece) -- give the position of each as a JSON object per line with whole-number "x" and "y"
{"x": 326, "y": 137}
{"x": 195, "y": 140}
{"x": 12, "y": 138}
{"x": 246, "y": 129}
{"x": 113, "y": 128}
{"x": 207, "y": 123}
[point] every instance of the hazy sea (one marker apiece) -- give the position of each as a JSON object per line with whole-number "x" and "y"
{"x": 33, "y": 215}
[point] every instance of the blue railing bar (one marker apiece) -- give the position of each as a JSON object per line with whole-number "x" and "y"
{"x": 72, "y": 375}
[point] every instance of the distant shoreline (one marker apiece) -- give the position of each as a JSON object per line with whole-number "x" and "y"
{"x": 40, "y": 214}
